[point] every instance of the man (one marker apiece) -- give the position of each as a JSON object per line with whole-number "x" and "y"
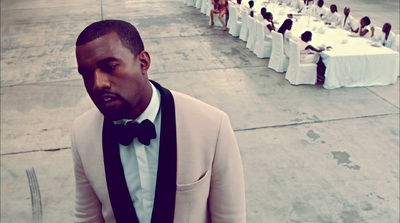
{"x": 385, "y": 37}
{"x": 186, "y": 167}
{"x": 346, "y": 22}
{"x": 320, "y": 10}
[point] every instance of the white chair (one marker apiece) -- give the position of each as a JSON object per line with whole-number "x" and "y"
{"x": 278, "y": 61}
{"x": 199, "y": 3}
{"x": 204, "y": 7}
{"x": 298, "y": 73}
{"x": 251, "y": 41}
{"x": 209, "y": 7}
{"x": 263, "y": 48}
{"x": 236, "y": 25}
{"x": 244, "y": 32}
{"x": 230, "y": 8}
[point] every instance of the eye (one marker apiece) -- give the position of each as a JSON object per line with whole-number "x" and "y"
{"x": 110, "y": 67}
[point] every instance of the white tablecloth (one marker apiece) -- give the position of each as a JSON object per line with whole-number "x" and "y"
{"x": 352, "y": 62}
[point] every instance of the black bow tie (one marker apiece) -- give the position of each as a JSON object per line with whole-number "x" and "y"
{"x": 144, "y": 132}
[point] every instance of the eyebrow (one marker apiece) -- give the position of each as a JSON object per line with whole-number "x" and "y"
{"x": 81, "y": 70}
{"x": 107, "y": 60}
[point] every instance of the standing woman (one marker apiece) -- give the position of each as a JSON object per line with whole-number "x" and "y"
{"x": 221, "y": 7}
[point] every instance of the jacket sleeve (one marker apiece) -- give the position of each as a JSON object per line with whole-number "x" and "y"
{"x": 227, "y": 195}
{"x": 87, "y": 204}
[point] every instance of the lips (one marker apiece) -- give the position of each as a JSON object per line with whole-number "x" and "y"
{"x": 107, "y": 99}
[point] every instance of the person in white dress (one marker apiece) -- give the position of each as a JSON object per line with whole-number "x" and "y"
{"x": 262, "y": 15}
{"x": 333, "y": 16}
{"x": 296, "y": 4}
{"x": 363, "y": 28}
{"x": 307, "y": 7}
{"x": 346, "y": 21}
{"x": 386, "y": 38}
{"x": 287, "y": 34}
{"x": 310, "y": 54}
{"x": 269, "y": 24}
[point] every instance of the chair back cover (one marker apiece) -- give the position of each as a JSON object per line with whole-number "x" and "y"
{"x": 262, "y": 47}
{"x": 244, "y": 32}
{"x": 294, "y": 62}
{"x": 276, "y": 62}
{"x": 236, "y": 26}
{"x": 199, "y": 3}
{"x": 260, "y": 33}
{"x": 300, "y": 73}
{"x": 251, "y": 41}
{"x": 204, "y": 7}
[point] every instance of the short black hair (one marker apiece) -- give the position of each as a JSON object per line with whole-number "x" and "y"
{"x": 239, "y": 2}
{"x": 251, "y": 4}
{"x": 306, "y": 36}
{"x": 367, "y": 21}
{"x": 334, "y": 6}
{"x": 128, "y": 34}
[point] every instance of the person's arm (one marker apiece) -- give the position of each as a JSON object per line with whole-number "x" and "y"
{"x": 271, "y": 26}
{"x": 227, "y": 193}
{"x": 354, "y": 30}
{"x": 314, "y": 49}
{"x": 87, "y": 204}
{"x": 363, "y": 32}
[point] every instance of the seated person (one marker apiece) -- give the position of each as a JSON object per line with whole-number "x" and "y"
{"x": 333, "y": 16}
{"x": 320, "y": 11}
{"x": 269, "y": 24}
{"x": 221, "y": 8}
{"x": 263, "y": 14}
{"x": 346, "y": 21}
{"x": 363, "y": 28}
{"x": 251, "y": 7}
{"x": 308, "y": 7}
{"x": 386, "y": 38}
{"x": 309, "y": 54}
{"x": 296, "y": 4}
{"x": 239, "y": 8}
{"x": 287, "y": 34}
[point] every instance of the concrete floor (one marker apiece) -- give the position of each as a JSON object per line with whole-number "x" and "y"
{"x": 309, "y": 154}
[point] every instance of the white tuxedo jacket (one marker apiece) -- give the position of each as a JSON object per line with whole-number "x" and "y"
{"x": 200, "y": 175}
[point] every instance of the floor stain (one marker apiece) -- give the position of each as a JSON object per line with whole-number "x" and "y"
{"x": 341, "y": 157}
{"x": 313, "y": 135}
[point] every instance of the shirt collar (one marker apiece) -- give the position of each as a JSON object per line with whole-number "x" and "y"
{"x": 150, "y": 112}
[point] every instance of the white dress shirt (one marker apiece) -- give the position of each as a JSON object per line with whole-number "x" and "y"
{"x": 347, "y": 23}
{"x": 390, "y": 42}
{"x": 140, "y": 162}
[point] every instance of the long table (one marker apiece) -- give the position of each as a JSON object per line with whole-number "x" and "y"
{"x": 353, "y": 61}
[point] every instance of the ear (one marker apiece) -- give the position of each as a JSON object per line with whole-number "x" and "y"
{"x": 144, "y": 58}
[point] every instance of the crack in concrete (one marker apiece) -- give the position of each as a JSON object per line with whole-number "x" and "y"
{"x": 381, "y": 97}
{"x": 36, "y": 150}
{"x": 312, "y": 122}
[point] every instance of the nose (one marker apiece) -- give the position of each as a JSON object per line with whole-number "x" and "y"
{"x": 101, "y": 80}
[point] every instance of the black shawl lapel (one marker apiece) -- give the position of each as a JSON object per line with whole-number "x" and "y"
{"x": 120, "y": 198}
{"x": 164, "y": 201}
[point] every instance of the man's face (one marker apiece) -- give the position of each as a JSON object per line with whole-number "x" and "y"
{"x": 346, "y": 11}
{"x": 114, "y": 78}
{"x": 385, "y": 28}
